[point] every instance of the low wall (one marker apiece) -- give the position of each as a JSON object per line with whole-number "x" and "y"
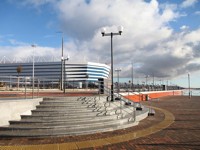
{"x": 12, "y": 109}
{"x": 142, "y": 96}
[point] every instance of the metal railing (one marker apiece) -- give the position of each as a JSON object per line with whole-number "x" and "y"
{"x": 119, "y": 106}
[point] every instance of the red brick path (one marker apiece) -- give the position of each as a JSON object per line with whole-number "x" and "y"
{"x": 183, "y": 134}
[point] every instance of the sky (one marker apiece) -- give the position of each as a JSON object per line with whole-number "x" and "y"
{"x": 160, "y": 40}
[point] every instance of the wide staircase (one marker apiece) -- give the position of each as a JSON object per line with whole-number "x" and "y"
{"x": 75, "y": 116}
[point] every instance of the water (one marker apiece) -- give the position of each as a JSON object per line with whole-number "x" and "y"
{"x": 193, "y": 92}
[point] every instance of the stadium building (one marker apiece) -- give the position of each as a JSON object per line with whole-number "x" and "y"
{"x": 51, "y": 72}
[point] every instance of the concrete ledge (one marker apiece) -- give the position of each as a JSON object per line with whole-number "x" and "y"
{"x": 12, "y": 109}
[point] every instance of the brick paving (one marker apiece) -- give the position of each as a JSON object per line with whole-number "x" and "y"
{"x": 184, "y": 133}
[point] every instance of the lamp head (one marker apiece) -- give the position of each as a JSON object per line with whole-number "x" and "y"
{"x": 67, "y": 57}
{"x": 120, "y": 29}
{"x": 118, "y": 70}
{"x": 103, "y": 30}
{"x": 33, "y": 45}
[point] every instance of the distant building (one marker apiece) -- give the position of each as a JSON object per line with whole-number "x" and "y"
{"x": 49, "y": 72}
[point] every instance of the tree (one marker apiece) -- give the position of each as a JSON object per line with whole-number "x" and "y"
{"x": 19, "y": 70}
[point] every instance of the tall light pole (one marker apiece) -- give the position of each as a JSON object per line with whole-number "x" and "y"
{"x": 118, "y": 87}
{"x": 33, "y": 73}
{"x": 120, "y": 29}
{"x": 62, "y": 58}
{"x": 62, "y": 61}
{"x": 147, "y": 87}
{"x": 132, "y": 75}
{"x": 146, "y": 79}
{"x": 189, "y": 94}
{"x": 65, "y": 73}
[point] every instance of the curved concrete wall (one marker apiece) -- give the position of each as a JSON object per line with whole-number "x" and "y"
{"x": 12, "y": 109}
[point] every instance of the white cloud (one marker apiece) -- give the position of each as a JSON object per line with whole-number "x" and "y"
{"x": 192, "y": 37}
{"x": 188, "y": 3}
{"x": 16, "y": 43}
{"x": 143, "y": 24}
{"x": 25, "y": 53}
{"x": 147, "y": 39}
{"x": 184, "y": 27}
{"x": 197, "y": 12}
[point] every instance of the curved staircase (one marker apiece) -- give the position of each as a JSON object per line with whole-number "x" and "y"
{"x": 74, "y": 116}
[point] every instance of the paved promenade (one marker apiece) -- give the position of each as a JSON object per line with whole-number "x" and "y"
{"x": 176, "y": 125}
{"x": 183, "y": 134}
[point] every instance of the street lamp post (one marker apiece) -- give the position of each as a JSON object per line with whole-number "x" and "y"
{"x": 132, "y": 85}
{"x": 62, "y": 58}
{"x": 153, "y": 81}
{"x": 65, "y": 72}
{"x": 118, "y": 87}
{"x": 120, "y": 29}
{"x": 146, "y": 82}
{"x": 62, "y": 61}
{"x": 189, "y": 94}
{"x": 146, "y": 79}
{"x": 33, "y": 73}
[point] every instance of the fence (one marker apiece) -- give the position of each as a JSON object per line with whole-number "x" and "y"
{"x": 27, "y": 87}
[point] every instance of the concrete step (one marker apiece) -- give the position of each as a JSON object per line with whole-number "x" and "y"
{"x": 76, "y": 109}
{"x": 69, "y": 99}
{"x": 69, "y": 102}
{"x": 39, "y": 123}
{"x": 79, "y": 112}
{"x": 57, "y": 113}
{"x": 64, "y": 115}
{"x": 60, "y": 132}
{"x": 61, "y": 106}
{"x": 63, "y": 98}
{"x": 64, "y": 131}
{"x": 70, "y": 116}
{"x": 66, "y": 127}
{"x": 89, "y": 121}
{"x": 66, "y": 118}
{"x": 72, "y": 110}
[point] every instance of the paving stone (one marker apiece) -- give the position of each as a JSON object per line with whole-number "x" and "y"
{"x": 184, "y": 133}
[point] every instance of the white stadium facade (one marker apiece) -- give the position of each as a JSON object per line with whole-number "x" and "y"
{"x": 51, "y": 72}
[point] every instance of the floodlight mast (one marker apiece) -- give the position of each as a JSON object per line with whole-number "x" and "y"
{"x": 33, "y": 73}
{"x": 64, "y": 91}
{"x": 111, "y": 34}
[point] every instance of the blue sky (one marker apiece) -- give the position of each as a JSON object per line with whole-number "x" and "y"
{"x": 159, "y": 36}
{"x": 28, "y": 24}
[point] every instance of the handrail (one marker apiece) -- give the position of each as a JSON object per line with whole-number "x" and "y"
{"x": 121, "y": 108}
{"x": 103, "y": 108}
{"x": 151, "y": 110}
{"x": 139, "y": 97}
